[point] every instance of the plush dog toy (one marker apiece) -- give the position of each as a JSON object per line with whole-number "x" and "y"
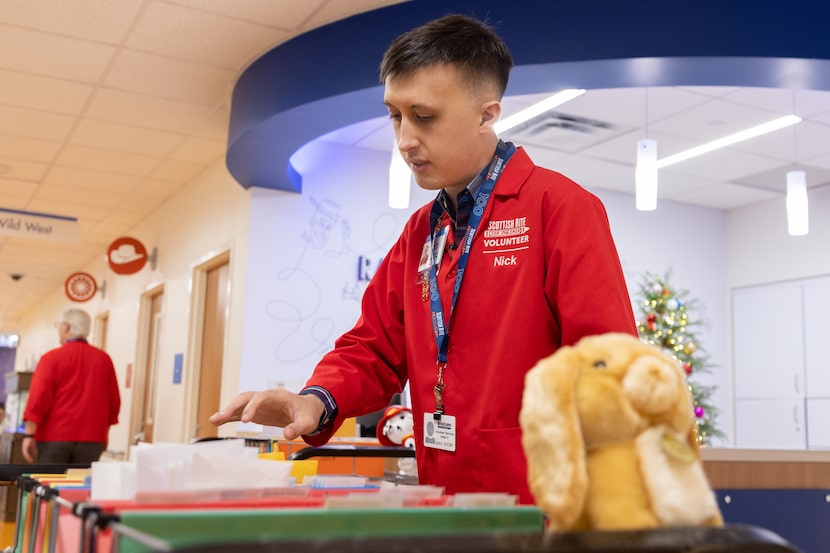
{"x": 395, "y": 427}
{"x": 610, "y": 439}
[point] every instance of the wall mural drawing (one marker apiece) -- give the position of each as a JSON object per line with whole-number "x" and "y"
{"x": 304, "y": 314}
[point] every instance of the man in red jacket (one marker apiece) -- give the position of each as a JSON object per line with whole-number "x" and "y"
{"x": 73, "y": 398}
{"x": 509, "y": 263}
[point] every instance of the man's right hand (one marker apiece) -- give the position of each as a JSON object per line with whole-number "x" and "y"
{"x": 295, "y": 414}
{"x": 29, "y": 449}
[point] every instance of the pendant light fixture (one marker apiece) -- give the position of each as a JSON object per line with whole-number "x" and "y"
{"x": 798, "y": 219}
{"x": 645, "y": 172}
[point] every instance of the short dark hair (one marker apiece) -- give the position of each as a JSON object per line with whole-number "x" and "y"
{"x": 470, "y": 45}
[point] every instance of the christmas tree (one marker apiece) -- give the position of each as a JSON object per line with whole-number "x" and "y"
{"x": 666, "y": 323}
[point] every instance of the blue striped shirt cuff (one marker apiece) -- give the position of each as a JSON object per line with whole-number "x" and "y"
{"x": 329, "y": 406}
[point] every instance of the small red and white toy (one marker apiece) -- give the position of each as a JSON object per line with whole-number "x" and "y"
{"x": 395, "y": 428}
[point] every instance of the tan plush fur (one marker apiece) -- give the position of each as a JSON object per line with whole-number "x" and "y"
{"x": 609, "y": 434}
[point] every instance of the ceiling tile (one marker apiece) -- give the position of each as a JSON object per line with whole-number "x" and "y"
{"x": 35, "y": 124}
{"x": 141, "y": 204}
{"x": 775, "y": 179}
{"x": 128, "y": 217}
{"x": 52, "y": 55}
{"x": 199, "y": 150}
{"x": 86, "y": 196}
{"x": 626, "y": 107}
{"x": 174, "y": 79}
{"x": 562, "y": 131}
{"x": 822, "y": 161}
{"x": 112, "y": 136}
{"x": 724, "y": 165}
{"x": 798, "y": 142}
{"x": 159, "y": 189}
{"x": 19, "y": 189}
{"x": 124, "y": 163}
{"x": 216, "y": 125}
{"x": 147, "y": 112}
{"x": 113, "y": 229}
{"x": 92, "y": 179}
{"x": 597, "y": 174}
{"x": 283, "y": 14}
{"x": 100, "y": 239}
{"x": 195, "y": 35}
{"x": 710, "y": 91}
{"x": 175, "y": 170}
{"x": 65, "y": 209}
{"x": 713, "y": 119}
{"x": 95, "y": 20}
{"x": 22, "y": 170}
{"x": 32, "y": 91}
{"x": 31, "y": 149}
{"x": 725, "y": 196}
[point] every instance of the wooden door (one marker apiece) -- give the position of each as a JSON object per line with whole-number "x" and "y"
{"x": 213, "y": 348}
{"x": 151, "y": 370}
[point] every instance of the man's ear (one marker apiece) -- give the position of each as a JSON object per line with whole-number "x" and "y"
{"x": 490, "y": 113}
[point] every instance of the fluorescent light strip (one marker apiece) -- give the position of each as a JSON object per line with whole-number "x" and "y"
{"x": 758, "y": 130}
{"x": 537, "y": 109}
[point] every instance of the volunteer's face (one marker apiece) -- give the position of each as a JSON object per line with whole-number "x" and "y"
{"x": 443, "y": 129}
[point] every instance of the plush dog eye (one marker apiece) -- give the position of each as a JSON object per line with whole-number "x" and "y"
{"x": 599, "y": 364}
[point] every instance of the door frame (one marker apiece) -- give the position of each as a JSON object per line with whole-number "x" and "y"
{"x": 140, "y": 367}
{"x": 193, "y": 359}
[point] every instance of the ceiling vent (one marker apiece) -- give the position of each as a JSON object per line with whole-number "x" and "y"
{"x": 561, "y": 131}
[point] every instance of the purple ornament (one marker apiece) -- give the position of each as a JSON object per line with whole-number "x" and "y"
{"x": 699, "y": 412}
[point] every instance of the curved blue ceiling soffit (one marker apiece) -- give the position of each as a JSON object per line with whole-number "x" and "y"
{"x": 328, "y": 78}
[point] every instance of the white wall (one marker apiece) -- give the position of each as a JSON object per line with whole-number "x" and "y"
{"x": 761, "y": 251}
{"x": 210, "y": 215}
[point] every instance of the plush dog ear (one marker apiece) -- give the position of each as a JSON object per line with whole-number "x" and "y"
{"x": 552, "y": 438}
{"x": 657, "y": 388}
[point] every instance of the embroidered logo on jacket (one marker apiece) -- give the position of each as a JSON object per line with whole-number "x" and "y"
{"x": 504, "y": 236}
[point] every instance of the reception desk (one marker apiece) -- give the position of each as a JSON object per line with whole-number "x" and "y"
{"x": 743, "y": 469}
{"x": 785, "y": 491}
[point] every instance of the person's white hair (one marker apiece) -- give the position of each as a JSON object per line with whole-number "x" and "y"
{"x": 78, "y": 320}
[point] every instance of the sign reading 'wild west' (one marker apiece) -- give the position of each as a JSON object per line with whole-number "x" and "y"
{"x": 42, "y": 226}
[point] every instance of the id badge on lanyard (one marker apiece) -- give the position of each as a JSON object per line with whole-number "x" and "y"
{"x": 440, "y": 429}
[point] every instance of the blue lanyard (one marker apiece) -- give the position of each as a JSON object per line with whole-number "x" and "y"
{"x": 440, "y": 324}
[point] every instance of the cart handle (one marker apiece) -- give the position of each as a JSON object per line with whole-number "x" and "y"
{"x": 352, "y": 451}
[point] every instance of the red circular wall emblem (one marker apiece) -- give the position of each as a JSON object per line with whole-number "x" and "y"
{"x": 80, "y": 287}
{"x": 126, "y": 256}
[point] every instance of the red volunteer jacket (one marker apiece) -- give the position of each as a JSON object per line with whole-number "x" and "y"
{"x": 543, "y": 272}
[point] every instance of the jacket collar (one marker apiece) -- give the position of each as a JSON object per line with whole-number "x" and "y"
{"x": 515, "y": 174}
